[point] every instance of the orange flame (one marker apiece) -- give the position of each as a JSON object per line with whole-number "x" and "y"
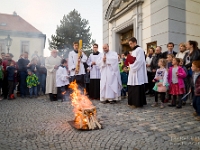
{"x": 63, "y": 93}
{"x": 79, "y": 102}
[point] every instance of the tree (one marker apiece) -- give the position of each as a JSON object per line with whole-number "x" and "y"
{"x": 89, "y": 51}
{"x": 72, "y": 28}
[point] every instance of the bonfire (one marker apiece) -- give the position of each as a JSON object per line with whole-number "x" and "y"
{"x": 84, "y": 110}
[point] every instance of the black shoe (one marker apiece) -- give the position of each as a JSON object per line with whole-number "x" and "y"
{"x": 183, "y": 103}
{"x": 105, "y": 102}
{"x": 178, "y": 107}
{"x": 171, "y": 105}
{"x": 111, "y": 102}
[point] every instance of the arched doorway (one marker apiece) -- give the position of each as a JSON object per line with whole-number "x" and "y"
{"x": 124, "y": 37}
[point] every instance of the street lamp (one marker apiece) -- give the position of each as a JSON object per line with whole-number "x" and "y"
{"x": 8, "y": 42}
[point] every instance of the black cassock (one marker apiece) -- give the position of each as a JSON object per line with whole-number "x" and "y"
{"x": 136, "y": 95}
{"x": 94, "y": 91}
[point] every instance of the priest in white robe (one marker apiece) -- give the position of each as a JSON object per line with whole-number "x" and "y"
{"x": 137, "y": 76}
{"x": 110, "y": 83}
{"x": 52, "y": 63}
{"x": 73, "y": 60}
{"x": 95, "y": 75}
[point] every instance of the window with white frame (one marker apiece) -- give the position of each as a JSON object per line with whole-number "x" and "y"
{"x": 24, "y": 46}
{"x": 2, "y": 46}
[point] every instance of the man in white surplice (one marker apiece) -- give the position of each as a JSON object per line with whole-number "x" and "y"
{"x": 95, "y": 75}
{"x": 110, "y": 84}
{"x": 72, "y": 62}
{"x": 137, "y": 76}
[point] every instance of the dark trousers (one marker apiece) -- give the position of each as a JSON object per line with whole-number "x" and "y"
{"x": 196, "y": 104}
{"x": 62, "y": 92}
{"x": 53, "y": 97}
{"x": 162, "y": 96}
{"x": 5, "y": 87}
{"x": 149, "y": 86}
{"x": 42, "y": 80}
{"x": 87, "y": 87}
{"x": 179, "y": 99}
{"x": 10, "y": 87}
{"x": 124, "y": 91}
{"x": 79, "y": 80}
{"x": 23, "y": 85}
{"x": 33, "y": 91}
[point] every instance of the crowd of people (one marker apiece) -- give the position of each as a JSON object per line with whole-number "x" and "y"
{"x": 108, "y": 76}
{"x": 174, "y": 76}
{"x": 24, "y": 77}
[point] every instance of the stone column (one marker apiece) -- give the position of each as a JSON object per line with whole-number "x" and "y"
{"x": 139, "y": 21}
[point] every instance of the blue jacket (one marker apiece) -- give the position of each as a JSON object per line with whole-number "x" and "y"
{"x": 11, "y": 73}
{"x": 124, "y": 78}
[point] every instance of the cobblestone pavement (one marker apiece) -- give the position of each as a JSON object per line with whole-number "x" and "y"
{"x": 37, "y": 124}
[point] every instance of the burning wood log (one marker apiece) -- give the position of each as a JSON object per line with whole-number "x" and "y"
{"x": 85, "y": 111}
{"x": 87, "y": 117}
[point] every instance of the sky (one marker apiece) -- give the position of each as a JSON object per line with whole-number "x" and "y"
{"x": 45, "y": 15}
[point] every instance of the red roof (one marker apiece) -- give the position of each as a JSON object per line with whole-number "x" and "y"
{"x": 15, "y": 23}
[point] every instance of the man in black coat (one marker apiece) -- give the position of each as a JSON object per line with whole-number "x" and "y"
{"x": 23, "y": 64}
{"x": 170, "y": 47}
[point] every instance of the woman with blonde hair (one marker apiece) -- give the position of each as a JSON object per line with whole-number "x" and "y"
{"x": 182, "y": 51}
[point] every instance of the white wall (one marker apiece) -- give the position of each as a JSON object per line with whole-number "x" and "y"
{"x": 35, "y": 44}
{"x": 155, "y": 22}
{"x": 193, "y": 20}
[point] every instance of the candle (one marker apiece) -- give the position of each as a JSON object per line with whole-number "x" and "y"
{"x": 80, "y": 44}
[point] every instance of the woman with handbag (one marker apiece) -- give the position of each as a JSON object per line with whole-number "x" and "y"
{"x": 176, "y": 77}
{"x": 161, "y": 83}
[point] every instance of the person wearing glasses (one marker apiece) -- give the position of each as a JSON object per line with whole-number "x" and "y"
{"x": 95, "y": 75}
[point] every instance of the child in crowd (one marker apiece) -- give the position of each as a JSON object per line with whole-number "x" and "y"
{"x": 196, "y": 84}
{"x": 11, "y": 70}
{"x": 124, "y": 79}
{"x": 169, "y": 60}
{"x": 32, "y": 83}
{"x": 62, "y": 80}
{"x": 176, "y": 74}
{"x": 161, "y": 83}
{"x": 1, "y": 77}
{"x": 169, "y": 64}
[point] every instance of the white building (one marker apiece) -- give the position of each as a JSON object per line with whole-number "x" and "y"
{"x": 152, "y": 22}
{"x": 24, "y": 36}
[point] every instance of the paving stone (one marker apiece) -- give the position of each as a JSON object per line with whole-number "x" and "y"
{"x": 34, "y": 124}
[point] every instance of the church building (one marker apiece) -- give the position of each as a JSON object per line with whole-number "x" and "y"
{"x": 152, "y": 22}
